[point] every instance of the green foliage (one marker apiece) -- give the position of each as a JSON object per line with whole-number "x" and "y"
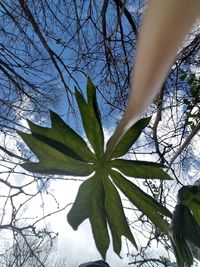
{"x": 129, "y": 138}
{"x": 60, "y": 150}
{"x": 186, "y": 225}
{"x": 190, "y": 197}
{"x": 193, "y": 101}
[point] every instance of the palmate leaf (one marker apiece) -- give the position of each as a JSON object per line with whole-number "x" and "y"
{"x": 60, "y": 150}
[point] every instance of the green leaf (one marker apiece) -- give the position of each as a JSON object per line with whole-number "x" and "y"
{"x": 51, "y": 160}
{"x": 91, "y": 121}
{"x": 89, "y": 203}
{"x": 139, "y": 169}
{"x": 181, "y": 248}
{"x": 129, "y": 138}
{"x": 63, "y": 138}
{"x": 186, "y": 101}
{"x": 183, "y": 76}
{"x": 116, "y": 217}
{"x": 190, "y": 197}
{"x": 92, "y": 100}
{"x": 60, "y": 150}
{"x": 182, "y": 251}
{"x": 191, "y": 78}
{"x": 191, "y": 230}
{"x": 145, "y": 203}
{"x": 177, "y": 251}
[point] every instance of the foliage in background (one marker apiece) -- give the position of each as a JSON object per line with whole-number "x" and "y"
{"x": 192, "y": 102}
{"x": 185, "y": 226}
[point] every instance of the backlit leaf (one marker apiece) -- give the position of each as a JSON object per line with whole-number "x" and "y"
{"x": 116, "y": 217}
{"x": 140, "y": 169}
{"x": 51, "y": 160}
{"x": 146, "y": 204}
{"x": 60, "y": 150}
{"x": 92, "y": 100}
{"x": 129, "y": 138}
{"x": 64, "y": 137}
{"x": 91, "y": 123}
{"x": 89, "y": 203}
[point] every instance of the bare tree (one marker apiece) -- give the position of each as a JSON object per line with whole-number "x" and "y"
{"x": 47, "y": 47}
{"x": 27, "y": 249}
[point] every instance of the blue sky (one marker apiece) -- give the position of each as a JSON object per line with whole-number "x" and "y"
{"x": 76, "y": 246}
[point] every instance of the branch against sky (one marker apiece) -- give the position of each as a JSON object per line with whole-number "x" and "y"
{"x": 75, "y": 31}
{"x": 164, "y": 27}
